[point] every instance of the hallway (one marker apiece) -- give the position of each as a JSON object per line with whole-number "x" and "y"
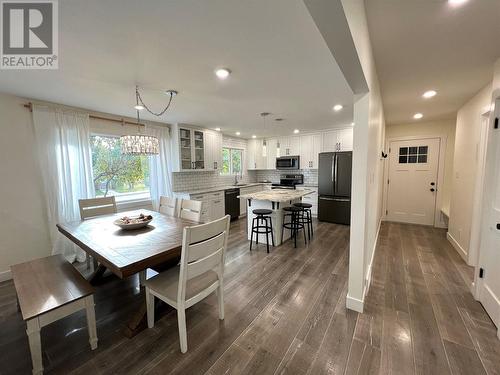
{"x": 419, "y": 314}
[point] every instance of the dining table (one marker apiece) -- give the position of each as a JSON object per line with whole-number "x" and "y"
{"x": 127, "y": 252}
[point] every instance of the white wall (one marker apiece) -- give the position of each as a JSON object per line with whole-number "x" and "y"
{"x": 23, "y": 228}
{"x": 369, "y": 135}
{"x": 467, "y": 137}
{"x": 445, "y": 129}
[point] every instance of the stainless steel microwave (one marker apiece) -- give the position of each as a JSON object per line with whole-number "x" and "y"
{"x": 288, "y": 162}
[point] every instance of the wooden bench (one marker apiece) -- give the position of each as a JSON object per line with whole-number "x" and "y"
{"x": 49, "y": 289}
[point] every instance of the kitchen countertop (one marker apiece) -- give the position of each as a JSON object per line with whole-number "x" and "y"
{"x": 220, "y": 188}
{"x": 277, "y": 195}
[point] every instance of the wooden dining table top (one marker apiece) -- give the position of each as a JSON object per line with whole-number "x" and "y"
{"x": 127, "y": 252}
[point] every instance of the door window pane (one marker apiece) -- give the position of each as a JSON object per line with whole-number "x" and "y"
{"x": 403, "y": 159}
{"x": 412, "y": 159}
{"x": 413, "y": 150}
{"x": 422, "y": 150}
{"x": 422, "y": 158}
{"x": 403, "y": 151}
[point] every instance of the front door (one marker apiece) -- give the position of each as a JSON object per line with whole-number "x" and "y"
{"x": 413, "y": 167}
{"x": 489, "y": 256}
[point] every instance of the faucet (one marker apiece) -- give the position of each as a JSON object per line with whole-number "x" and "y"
{"x": 236, "y": 179}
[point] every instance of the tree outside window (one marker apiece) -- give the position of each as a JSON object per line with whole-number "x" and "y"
{"x": 232, "y": 161}
{"x": 117, "y": 174}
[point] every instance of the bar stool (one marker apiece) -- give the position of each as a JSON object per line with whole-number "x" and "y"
{"x": 295, "y": 223}
{"x": 262, "y": 217}
{"x": 306, "y": 217}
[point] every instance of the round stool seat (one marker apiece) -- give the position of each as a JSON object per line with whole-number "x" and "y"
{"x": 292, "y": 209}
{"x": 262, "y": 211}
{"x": 303, "y": 205}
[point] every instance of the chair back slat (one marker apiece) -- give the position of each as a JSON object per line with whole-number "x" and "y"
{"x": 168, "y": 206}
{"x": 204, "y": 264}
{"x": 93, "y": 207}
{"x": 191, "y": 210}
{"x": 205, "y": 248}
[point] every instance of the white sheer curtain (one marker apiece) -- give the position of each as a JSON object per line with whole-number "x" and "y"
{"x": 65, "y": 160}
{"x": 160, "y": 168}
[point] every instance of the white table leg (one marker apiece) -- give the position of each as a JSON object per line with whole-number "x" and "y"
{"x": 142, "y": 277}
{"x": 89, "y": 307}
{"x": 33, "y": 331}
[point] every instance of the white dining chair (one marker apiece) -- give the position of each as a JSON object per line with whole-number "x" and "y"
{"x": 190, "y": 210}
{"x": 200, "y": 273}
{"x": 93, "y": 207}
{"x": 169, "y": 206}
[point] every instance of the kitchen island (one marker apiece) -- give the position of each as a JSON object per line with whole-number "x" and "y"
{"x": 274, "y": 200}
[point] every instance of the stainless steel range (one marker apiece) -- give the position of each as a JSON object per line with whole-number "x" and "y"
{"x": 289, "y": 181}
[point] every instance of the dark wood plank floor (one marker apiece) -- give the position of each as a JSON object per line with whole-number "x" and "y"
{"x": 285, "y": 314}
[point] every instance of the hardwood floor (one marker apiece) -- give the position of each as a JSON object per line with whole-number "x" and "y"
{"x": 285, "y": 314}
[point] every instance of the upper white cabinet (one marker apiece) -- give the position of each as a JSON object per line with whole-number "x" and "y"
{"x": 257, "y": 154}
{"x": 272, "y": 152}
{"x": 289, "y": 146}
{"x": 195, "y": 149}
{"x": 213, "y": 151}
{"x": 310, "y": 147}
{"x": 338, "y": 140}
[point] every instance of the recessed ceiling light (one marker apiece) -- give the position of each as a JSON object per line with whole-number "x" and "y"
{"x": 337, "y": 107}
{"x": 254, "y": 136}
{"x": 457, "y": 2}
{"x": 429, "y": 94}
{"x": 237, "y": 133}
{"x": 217, "y": 129}
{"x": 418, "y": 116}
{"x": 138, "y": 107}
{"x": 222, "y": 73}
{"x": 352, "y": 123}
{"x": 296, "y": 131}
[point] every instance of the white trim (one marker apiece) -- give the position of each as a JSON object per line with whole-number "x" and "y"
{"x": 368, "y": 278}
{"x": 5, "y": 275}
{"x": 460, "y": 250}
{"x": 438, "y": 219}
{"x": 354, "y": 304}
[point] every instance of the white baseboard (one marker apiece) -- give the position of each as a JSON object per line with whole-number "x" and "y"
{"x": 5, "y": 275}
{"x": 491, "y": 302}
{"x": 368, "y": 277}
{"x": 354, "y": 304}
{"x": 457, "y": 247}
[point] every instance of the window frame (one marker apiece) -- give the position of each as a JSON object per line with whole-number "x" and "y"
{"x": 231, "y": 167}
{"x": 125, "y": 201}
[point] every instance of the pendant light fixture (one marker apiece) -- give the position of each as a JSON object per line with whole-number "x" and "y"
{"x": 142, "y": 144}
{"x": 264, "y": 142}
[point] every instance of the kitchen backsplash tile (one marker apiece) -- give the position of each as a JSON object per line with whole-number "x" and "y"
{"x": 187, "y": 181}
{"x": 310, "y": 176}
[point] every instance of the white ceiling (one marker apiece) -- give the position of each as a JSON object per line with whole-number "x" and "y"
{"x": 428, "y": 44}
{"x": 279, "y": 60}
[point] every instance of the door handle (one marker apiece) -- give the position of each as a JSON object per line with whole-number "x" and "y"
{"x": 432, "y": 189}
{"x": 433, "y": 183}
{"x": 498, "y": 226}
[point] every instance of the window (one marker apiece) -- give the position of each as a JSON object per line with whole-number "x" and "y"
{"x": 124, "y": 176}
{"x": 232, "y": 160}
{"x": 413, "y": 154}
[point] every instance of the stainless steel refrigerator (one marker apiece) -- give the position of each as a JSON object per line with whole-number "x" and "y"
{"x": 334, "y": 187}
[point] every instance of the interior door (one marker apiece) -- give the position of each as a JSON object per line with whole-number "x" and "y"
{"x": 489, "y": 254}
{"x": 411, "y": 196}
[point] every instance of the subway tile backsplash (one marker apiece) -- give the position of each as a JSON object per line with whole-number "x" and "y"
{"x": 188, "y": 181}
{"x": 310, "y": 176}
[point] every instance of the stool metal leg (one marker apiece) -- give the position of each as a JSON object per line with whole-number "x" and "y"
{"x": 294, "y": 225}
{"x": 251, "y": 233}
{"x": 272, "y": 232}
{"x": 309, "y": 213}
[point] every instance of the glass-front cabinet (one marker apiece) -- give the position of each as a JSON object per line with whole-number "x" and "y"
{"x": 199, "y": 149}
{"x": 186, "y": 157}
{"x": 192, "y": 148}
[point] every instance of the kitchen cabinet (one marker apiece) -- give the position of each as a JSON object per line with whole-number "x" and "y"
{"x": 248, "y": 190}
{"x": 310, "y": 147}
{"x": 272, "y": 152}
{"x": 212, "y": 204}
{"x": 213, "y": 151}
{"x": 256, "y": 148}
{"x": 289, "y": 146}
{"x": 338, "y": 140}
{"x": 311, "y": 198}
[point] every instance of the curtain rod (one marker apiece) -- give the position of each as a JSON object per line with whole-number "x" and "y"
{"x": 121, "y": 121}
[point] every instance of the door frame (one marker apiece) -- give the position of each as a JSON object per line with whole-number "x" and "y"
{"x": 438, "y": 217}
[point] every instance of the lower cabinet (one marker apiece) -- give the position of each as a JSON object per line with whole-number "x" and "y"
{"x": 212, "y": 206}
{"x": 311, "y": 198}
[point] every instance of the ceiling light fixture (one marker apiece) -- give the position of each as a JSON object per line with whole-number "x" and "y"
{"x": 418, "y": 116}
{"x": 337, "y": 107}
{"x": 352, "y": 123}
{"x": 296, "y": 131}
{"x": 237, "y": 133}
{"x": 222, "y": 73}
{"x": 254, "y": 136}
{"x": 457, "y": 2}
{"x": 429, "y": 94}
{"x": 217, "y": 129}
{"x": 279, "y": 119}
{"x": 141, "y": 144}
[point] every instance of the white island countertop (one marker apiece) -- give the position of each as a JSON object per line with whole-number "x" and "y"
{"x": 276, "y": 195}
